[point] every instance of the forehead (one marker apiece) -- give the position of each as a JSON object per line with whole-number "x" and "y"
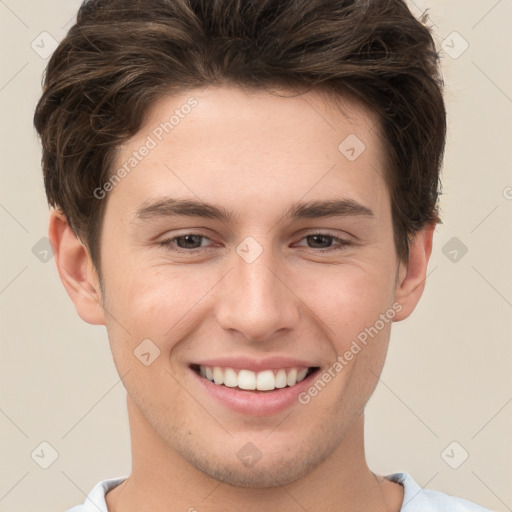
{"x": 225, "y": 145}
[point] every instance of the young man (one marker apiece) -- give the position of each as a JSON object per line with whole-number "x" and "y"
{"x": 245, "y": 194}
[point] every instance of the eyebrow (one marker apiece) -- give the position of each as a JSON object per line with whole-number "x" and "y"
{"x": 172, "y": 207}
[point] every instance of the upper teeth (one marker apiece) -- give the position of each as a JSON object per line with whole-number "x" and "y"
{"x": 265, "y": 380}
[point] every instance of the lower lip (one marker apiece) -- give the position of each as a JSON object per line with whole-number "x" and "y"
{"x": 256, "y": 403}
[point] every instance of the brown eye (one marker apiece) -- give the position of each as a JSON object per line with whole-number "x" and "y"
{"x": 186, "y": 241}
{"x": 320, "y": 239}
{"x": 323, "y": 242}
{"x": 189, "y": 242}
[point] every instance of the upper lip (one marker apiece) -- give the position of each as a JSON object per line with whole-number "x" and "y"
{"x": 256, "y": 365}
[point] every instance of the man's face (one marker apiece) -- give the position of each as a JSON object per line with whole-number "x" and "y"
{"x": 261, "y": 289}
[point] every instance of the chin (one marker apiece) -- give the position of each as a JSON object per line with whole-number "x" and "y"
{"x": 261, "y": 475}
{"x": 271, "y": 470}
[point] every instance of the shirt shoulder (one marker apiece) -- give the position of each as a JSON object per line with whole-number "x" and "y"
{"x": 95, "y": 500}
{"x": 417, "y": 499}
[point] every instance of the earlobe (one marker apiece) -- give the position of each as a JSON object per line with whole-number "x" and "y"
{"x": 412, "y": 275}
{"x": 75, "y": 269}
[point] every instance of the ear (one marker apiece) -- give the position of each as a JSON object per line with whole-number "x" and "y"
{"x": 76, "y": 270}
{"x": 413, "y": 273}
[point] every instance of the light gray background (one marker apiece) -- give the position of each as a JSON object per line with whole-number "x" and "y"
{"x": 447, "y": 376}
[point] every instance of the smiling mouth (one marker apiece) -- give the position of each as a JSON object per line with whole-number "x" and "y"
{"x": 247, "y": 380}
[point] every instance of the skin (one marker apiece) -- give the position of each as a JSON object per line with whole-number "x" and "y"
{"x": 255, "y": 154}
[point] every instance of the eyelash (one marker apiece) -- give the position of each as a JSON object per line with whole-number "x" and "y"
{"x": 169, "y": 243}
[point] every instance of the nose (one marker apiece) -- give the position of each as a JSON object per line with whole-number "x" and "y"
{"x": 257, "y": 299}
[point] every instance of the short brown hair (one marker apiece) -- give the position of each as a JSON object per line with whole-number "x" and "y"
{"x": 121, "y": 55}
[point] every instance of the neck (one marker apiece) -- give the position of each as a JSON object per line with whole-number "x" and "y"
{"x": 163, "y": 481}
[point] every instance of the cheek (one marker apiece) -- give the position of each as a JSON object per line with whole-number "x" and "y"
{"x": 163, "y": 304}
{"x": 349, "y": 298}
